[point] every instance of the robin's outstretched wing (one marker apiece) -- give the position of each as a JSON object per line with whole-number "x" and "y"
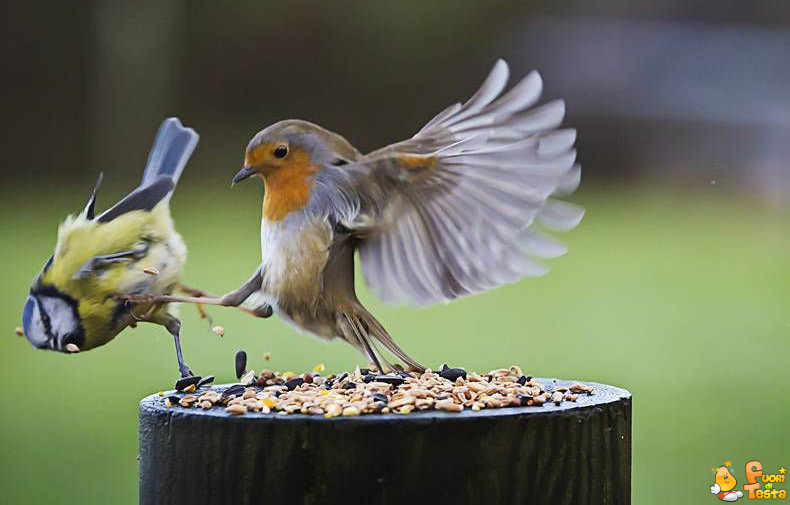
{"x": 456, "y": 209}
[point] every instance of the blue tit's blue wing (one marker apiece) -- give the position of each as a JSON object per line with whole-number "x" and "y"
{"x": 142, "y": 198}
{"x": 171, "y": 150}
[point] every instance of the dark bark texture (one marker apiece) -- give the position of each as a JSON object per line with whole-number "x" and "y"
{"x": 575, "y": 453}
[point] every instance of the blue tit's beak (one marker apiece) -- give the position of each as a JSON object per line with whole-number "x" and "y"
{"x": 244, "y": 173}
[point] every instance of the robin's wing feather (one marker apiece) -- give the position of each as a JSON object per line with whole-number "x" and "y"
{"x": 453, "y": 210}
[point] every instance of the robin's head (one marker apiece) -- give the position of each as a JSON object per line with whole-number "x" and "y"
{"x": 294, "y": 146}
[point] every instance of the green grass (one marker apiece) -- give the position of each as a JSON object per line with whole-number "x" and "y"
{"x": 682, "y": 299}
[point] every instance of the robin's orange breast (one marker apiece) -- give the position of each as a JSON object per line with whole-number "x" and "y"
{"x": 288, "y": 186}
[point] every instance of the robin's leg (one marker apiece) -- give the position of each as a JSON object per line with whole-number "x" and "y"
{"x": 199, "y": 293}
{"x": 262, "y": 311}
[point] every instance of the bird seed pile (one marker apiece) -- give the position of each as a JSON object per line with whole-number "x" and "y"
{"x": 367, "y": 392}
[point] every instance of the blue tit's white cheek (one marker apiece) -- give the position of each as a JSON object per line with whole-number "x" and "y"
{"x": 61, "y": 318}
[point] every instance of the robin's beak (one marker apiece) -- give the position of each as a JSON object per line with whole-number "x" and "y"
{"x": 244, "y": 173}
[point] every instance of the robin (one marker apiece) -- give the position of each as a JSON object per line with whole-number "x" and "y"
{"x": 455, "y": 210}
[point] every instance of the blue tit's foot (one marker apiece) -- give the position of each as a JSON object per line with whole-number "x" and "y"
{"x": 185, "y": 371}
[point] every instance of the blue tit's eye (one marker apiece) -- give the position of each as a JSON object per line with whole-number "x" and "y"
{"x": 281, "y": 152}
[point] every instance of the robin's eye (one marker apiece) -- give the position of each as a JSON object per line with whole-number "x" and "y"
{"x": 281, "y": 152}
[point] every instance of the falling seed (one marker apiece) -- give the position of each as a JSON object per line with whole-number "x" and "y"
{"x": 219, "y": 330}
{"x": 151, "y": 271}
{"x": 241, "y": 363}
{"x": 19, "y": 332}
{"x": 72, "y": 348}
{"x": 267, "y": 355}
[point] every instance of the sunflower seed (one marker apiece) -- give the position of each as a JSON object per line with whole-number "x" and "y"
{"x": 205, "y": 380}
{"x": 452, "y": 374}
{"x": 184, "y": 382}
{"x": 241, "y": 363}
{"x": 235, "y": 390}
{"x": 395, "y": 380}
{"x": 294, "y": 383}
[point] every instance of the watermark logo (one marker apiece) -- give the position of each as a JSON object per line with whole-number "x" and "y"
{"x": 759, "y": 485}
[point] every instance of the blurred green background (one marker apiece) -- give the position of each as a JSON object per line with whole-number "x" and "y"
{"x": 677, "y": 282}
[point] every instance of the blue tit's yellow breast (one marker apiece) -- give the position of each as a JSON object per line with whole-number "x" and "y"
{"x": 80, "y": 240}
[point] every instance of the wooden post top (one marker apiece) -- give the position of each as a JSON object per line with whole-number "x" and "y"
{"x": 604, "y": 394}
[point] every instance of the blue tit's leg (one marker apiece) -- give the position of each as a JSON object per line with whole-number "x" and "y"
{"x": 173, "y": 326}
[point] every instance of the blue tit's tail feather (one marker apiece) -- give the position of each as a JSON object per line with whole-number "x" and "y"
{"x": 171, "y": 151}
{"x": 172, "y": 148}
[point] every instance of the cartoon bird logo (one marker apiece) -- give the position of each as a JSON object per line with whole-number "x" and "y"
{"x": 725, "y": 482}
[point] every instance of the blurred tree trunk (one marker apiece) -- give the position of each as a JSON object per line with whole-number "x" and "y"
{"x": 133, "y": 74}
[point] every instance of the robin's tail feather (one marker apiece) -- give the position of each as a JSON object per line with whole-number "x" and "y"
{"x": 364, "y": 332}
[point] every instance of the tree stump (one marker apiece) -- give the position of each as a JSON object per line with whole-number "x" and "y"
{"x": 574, "y": 453}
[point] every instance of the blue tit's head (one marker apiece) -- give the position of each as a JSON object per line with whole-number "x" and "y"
{"x": 51, "y": 321}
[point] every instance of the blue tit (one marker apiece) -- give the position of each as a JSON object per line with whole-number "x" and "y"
{"x": 76, "y": 302}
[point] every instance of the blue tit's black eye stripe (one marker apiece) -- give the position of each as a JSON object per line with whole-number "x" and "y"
{"x": 77, "y": 335}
